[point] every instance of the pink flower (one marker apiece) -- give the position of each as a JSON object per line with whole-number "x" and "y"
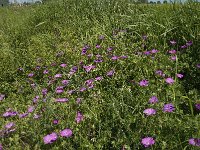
{"x": 179, "y": 75}
{"x": 148, "y": 141}
{"x": 149, "y": 111}
{"x": 169, "y": 80}
{"x": 79, "y": 117}
{"x": 61, "y": 100}
{"x": 50, "y": 138}
{"x": 144, "y": 83}
{"x": 63, "y": 65}
{"x": 66, "y": 133}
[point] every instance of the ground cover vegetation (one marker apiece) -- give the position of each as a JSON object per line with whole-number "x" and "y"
{"x": 95, "y": 74}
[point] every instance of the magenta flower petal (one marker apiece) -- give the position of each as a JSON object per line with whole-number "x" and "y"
{"x": 66, "y": 133}
{"x": 62, "y": 100}
{"x": 149, "y": 111}
{"x": 197, "y": 106}
{"x": 144, "y": 83}
{"x": 89, "y": 68}
{"x": 153, "y": 100}
{"x": 31, "y": 109}
{"x": 173, "y": 42}
{"x": 63, "y": 65}
{"x": 169, "y": 80}
{"x": 50, "y": 138}
{"x": 110, "y": 73}
{"x": 9, "y": 125}
{"x": 2, "y": 96}
{"x": 179, "y": 75}
{"x": 58, "y": 76}
{"x": 168, "y": 108}
{"x": 148, "y": 141}
{"x": 172, "y": 51}
{"x": 65, "y": 82}
{"x": 194, "y": 142}
{"x": 79, "y": 117}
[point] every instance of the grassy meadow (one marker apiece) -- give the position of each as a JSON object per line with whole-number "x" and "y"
{"x": 100, "y": 74}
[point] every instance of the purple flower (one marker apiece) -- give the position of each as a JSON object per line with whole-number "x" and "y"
{"x": 89, "y": 55}
{"x": 9, "y": 113}
{"x": 153, "y": 51}
{"x": 89, "y": 82}
{"x": 159, "y": 72}
{"x": 198, "y": 65}
{"x": 65, "y": 82}
{"x": 173, "y": 42}
{"x": 63, "y": 65}
{"x": 98, "y": 60}
{"x": 194, "y": 142}
{"x": 23, "y": 115}
{"x": 71, "y": 92}
{"x": 179, "y": 75}
{"x": 1, "y": 147}
{"x": 79, "y": 117}
{"x": 66, "y": 133}
{"x": 173, "y": 58}
{"x": 44, "y": 91}
{"x": 189, "y": 43}
{"x": 9, "y": 125}
{"x": 62, "y": 100}
{"x": 59, "y": 89}
{"x": 123, "y": 57}
{"x": 78, "y": 100}
{"x": 110, "y": 73}
{"x": 98, "y": 46}
{"x": 82, "y": 89}
{"x": 115, "y": 57}
{"x": 36, "y": 116}
{"x": 55, "y": 121}
{"x": 172, "y": 51}
{"x": 31, "y": 109}
{"x": 37, "y": 67}
{"x": 144, "y": 83}
{"x": 50, "y": 138}
{"x": 109, "y": 49}
{"x": 168, "y": 108}
{"x": 35, "y": 99}
{"x": 73, "y": 70}
{"x": 169, "y": 80}
{"x": 53, "y": 64}
{"x": 147, "y": 52}
{"x": 183, "y": 46}
{"x": 149, "y": 111}
{"x": 2, "y": 96}
{"x": 30, "y": 75}
{"x": 89, "y": 68}
{"x": 98, "y": 78}
{"x": 33, "y": 85}
{"x": 84, "y": 49}
{"x": 197, "y": 106}
{"x": 46, "y": 71}
{"x": 58, "y": 76}
{"x": 148, "y": 141}
{"x": 153, "y": 100}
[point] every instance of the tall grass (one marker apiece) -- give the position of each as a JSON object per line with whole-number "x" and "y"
{"x": 56, "y": 32}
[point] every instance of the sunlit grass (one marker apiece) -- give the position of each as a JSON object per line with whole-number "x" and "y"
{"x": 92, "y": 67}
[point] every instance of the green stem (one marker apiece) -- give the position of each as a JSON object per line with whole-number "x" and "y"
{"x": 190, "y": 103}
